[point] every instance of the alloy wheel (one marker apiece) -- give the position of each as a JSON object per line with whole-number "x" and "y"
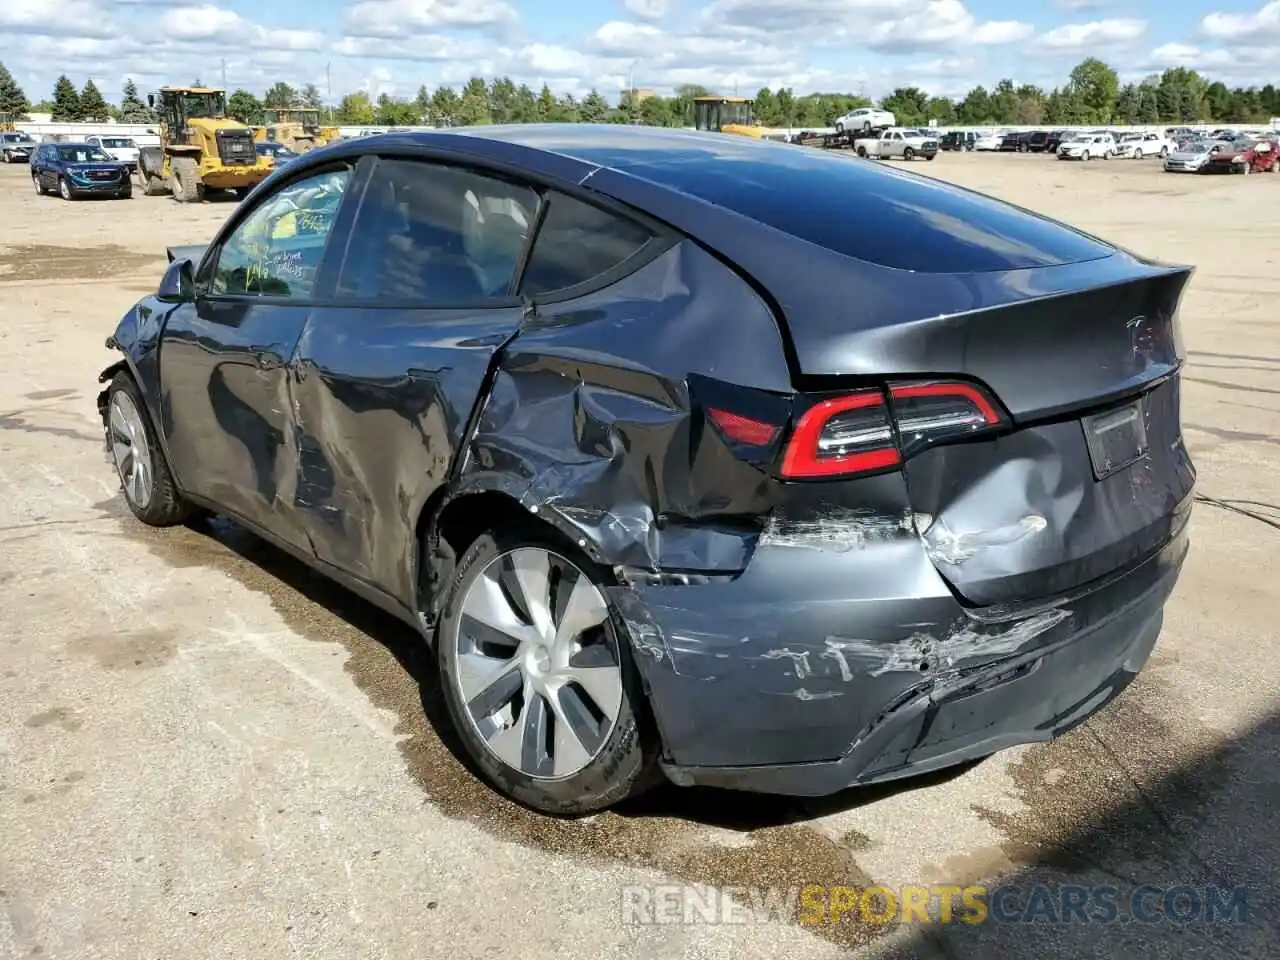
{"x": 64, "y": 189}
{"x": 537, "y": 664}
{"x": 130, "y": 449}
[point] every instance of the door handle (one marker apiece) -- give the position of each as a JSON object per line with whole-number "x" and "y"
{"x": 266, "y": 358}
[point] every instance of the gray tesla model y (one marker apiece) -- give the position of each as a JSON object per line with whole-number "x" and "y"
{"x": 734, "y": 461}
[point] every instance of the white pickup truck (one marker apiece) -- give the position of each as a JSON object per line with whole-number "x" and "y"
{"x": 118, "y": 148}
{"x": 900, "y": 142}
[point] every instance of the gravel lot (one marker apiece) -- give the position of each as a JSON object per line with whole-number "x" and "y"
{"x": 206, "y": 751}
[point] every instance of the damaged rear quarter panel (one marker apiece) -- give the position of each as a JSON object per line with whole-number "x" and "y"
{"x": 589, "y": 419}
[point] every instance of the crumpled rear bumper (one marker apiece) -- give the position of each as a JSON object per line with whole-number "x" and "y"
{"x": 922, "y": 706}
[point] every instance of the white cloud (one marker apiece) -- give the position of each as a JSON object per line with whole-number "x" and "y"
{"x": 1099, "y": 33}
{"x": 396, "y": 18}
{"x": 217, "y": 25}
{"x": 1238, "y": 66}
{"x": 943, "y": 23}
{"x": 1257, "y": 28}
{"x": 1081, "y": 4}
{"x": 648, "y": 9}
{"x": 75, "y": 18}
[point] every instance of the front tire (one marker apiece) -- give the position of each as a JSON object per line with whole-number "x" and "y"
{"x": 64, "y": 189}
{"x": 1085, "y": 156}
{"x": 908, "y": 153}
{"x": 35, "y": 182}
{"x": 1137, "y": 154}
{"x": 185, "y": 180}
{"x": 538, "y": 677}
{"x": 148, "y": 486}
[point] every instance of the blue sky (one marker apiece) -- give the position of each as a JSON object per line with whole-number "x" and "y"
{"x": 392, "y": 46}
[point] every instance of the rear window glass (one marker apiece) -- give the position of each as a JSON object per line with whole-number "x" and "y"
{"x": 864, "y": 209}
{"x": 576, "y": 243}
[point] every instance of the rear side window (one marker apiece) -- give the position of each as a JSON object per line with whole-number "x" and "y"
{"x": 431, "y": 235}
{"x": 577, "y": 243}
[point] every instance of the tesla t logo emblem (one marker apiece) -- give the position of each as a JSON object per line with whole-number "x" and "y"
{"x": 1139, "y": 336}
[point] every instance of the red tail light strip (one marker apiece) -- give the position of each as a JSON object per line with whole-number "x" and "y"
{"x": 856, "y": 433}
{"x": 805, "y": 456}
{"x": 742, "y": 429}
{"x": 967, "y": 391}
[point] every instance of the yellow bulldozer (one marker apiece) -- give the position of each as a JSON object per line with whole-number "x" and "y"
{"x": 201, "y": 148}
{"x": 297, "y": 128}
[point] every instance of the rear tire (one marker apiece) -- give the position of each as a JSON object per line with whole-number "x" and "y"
{"x": 510, "y": 712}
{"x": 148, "y": 487}
{"x": 185, "y": 180}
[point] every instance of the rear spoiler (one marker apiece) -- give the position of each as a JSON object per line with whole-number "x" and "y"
{"x": 192, "y": 252}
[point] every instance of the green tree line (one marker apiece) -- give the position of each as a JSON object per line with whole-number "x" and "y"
{"x": 1092, "y": 94}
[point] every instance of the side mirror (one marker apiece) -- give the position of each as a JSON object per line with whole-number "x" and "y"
{"x": 178, "y": 284}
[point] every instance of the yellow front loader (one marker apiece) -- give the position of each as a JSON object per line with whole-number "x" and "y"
{"x": 201, "y": 148}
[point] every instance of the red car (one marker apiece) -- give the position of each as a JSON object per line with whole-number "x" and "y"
{"x": 1246, "y": 156}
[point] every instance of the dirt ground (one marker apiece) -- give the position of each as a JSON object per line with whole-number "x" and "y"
{"x": 206, "y": 751}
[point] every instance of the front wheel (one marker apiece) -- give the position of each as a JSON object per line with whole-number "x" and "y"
{"x": 908, "y": 153}
{"x": 1164, "y": 152}
{"x": 1085, "y": 156}
{"x": 64, "y": 189}
{"x": 538, "y": 676}
{"x": 35, "y": 182}
{"x": 149, "y": 487}
{"x": 1137, "y": 154}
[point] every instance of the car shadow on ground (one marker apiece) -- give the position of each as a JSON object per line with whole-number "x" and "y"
{"x": 730, "y": 810}
{"x": 1187, "y": 851}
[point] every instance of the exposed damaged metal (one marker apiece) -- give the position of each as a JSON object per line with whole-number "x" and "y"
{"x": 667, "y": 473}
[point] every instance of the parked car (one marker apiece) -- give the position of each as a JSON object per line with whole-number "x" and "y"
{"x": 1014, "y": 142}
{"x": 635, "y": 533}
{"x": 865, "y": 119}
{"x": 1136, "y": 146}
{"x": 118, "y": 148}
{"x": 16, "y": 147}
{"x": 1036, "y": 141}
{"x": 1054, "y": 140}
{"x": 1087, "y": 146}
{"x": 1191, "y": 156}
{"x": 1245, "y": 156}
{"x": 278, "y": 152}
{"x": 75, "y": 170}
{"x": 904, "y": 144}
{"x": 989, "y": 141}
{"x": 957, "y": 140}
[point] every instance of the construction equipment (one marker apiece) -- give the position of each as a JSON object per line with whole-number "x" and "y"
{"x": 726, "y": 115}
{"x": 200, "y": 147}
{"x": 297, "y": 128}
{"x": 7, "y": 124}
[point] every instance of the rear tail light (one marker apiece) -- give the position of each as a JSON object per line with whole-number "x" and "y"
{"x": 867, "y": 432}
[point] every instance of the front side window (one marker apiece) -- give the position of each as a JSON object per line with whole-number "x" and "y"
{"x": 431, "y": 235}
{"x": 577, "y": 243}
{"x": 276, "y": 250}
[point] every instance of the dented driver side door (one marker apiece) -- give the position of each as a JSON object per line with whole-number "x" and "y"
{"x": 386, "y": 377}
